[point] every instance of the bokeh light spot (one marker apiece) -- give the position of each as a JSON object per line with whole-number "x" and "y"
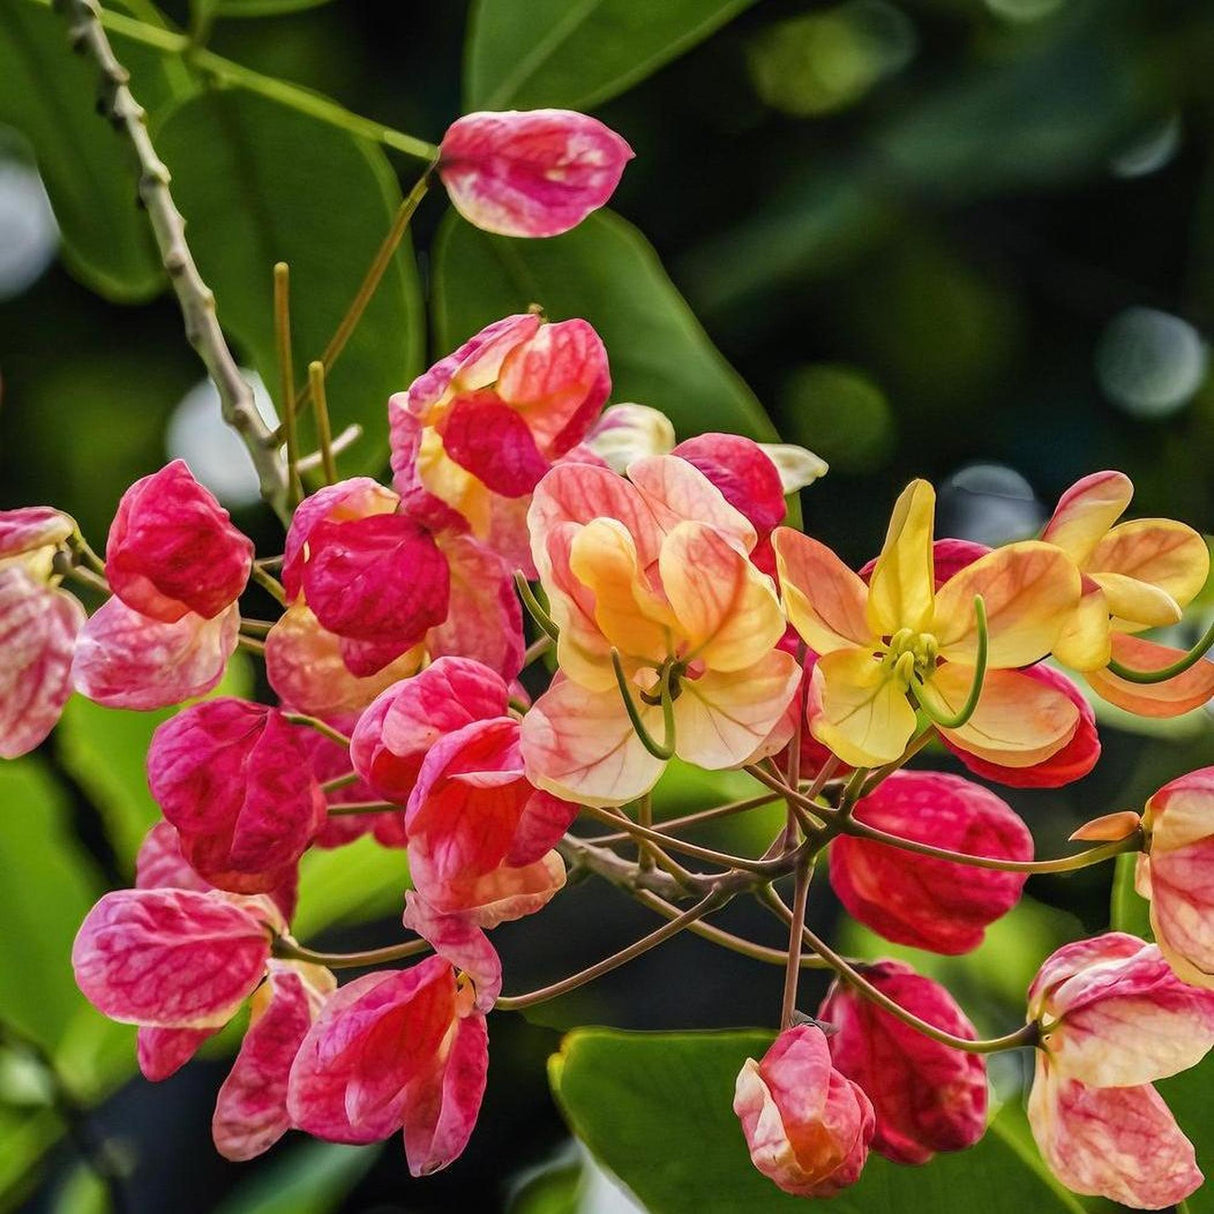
{"x": 1150, "y": 363}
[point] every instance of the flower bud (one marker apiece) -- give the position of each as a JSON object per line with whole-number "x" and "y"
{"x": 807, "y": 1126}
{"x": 530, "y": 172}
{"x": 927, "y": 1096}
{"x": 922, "y": 901}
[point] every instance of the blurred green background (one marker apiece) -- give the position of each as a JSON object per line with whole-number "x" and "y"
{"x": 966, "y": 239}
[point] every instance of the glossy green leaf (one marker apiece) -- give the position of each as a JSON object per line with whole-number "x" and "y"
{"x": 350, "y": 884}
{"x": 263, "y": 8}
{"x": 608, "y": 273}
{"x": 523, "y": 54}
{"x": 1130, "y": 912}
{"x": 656, "y": 1109}
{"x": 260, "y": 183}
{"x": 311, "y": 1178}
{"x": 49, "y": 95}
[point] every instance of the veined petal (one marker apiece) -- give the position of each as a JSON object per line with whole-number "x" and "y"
{"x": 1162, "y": 552}
{"x": 1086, "y": 641}
{"x": 630, "y": 615}
{"x": 900, "y": 593}
{"x": 826, "y": 602}
{"x": 582, "y": 651}
{"x": 722, "y": 718}
{"x": 1136, "y": 604}
{"x": 1171, "y": 698}
{"x": 864, "y": 716}
{"x": 580, "y": 745}
{"x": 1019, "y": 721}
{"x": 1086, "y": 511}
{"x": 1030, "y": 590}
{"x": 1121, "y": 1143}
{"x": 725, "y": 608}
{"x": 488, "y": 439}
{"x": 677, "y": 491}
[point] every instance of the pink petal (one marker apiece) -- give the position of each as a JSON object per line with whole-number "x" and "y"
{"x": 305, "y": 668}
{"x": 355, "y": 498}
{"x": 501, "y": 896}
{"x": 484, "y": 619}
{"x": 541, "y": 826}
{"x": 379, "y": 579}
{"x": 492, "y": 441}
{"x": 416, "y": 501}
{"x": 349, "y": 1080}
{"x": 530, "y": 173}
{"x": 924, "y": 902}
{"x": 126, "y": 660}
{"x": 558, "y": 381}
{"x": 1064, "y": 766}
{"x": 31, "y": 527}
{"x": 461, "y": 942}
{"x": 251, "y": 1108}
{"x": 170, "y": 958}
{"x": 172, "y": 549}
{"x": 163, "y": 1052}
{"x": 746, "y": 477}
{"x": 1121, "y": 1143}
{"x": 1086, "y": 511}
{"x": 678, "y": 492}
{"x": 38, "y": 629}
{"x": 443, "y": 1105}
{"x": 927, "y": 1097}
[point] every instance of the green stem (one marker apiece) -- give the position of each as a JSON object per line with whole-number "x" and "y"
{"x": 351, "y": 777}
{"x": 288, "y": 950}
{"x": 1191, "y": 658}
{"x": 321, "y": 727}
{"x": 270, "y": 584}
{"x": 966, "y": 711}
{"x": 537, "y": 613}
{"x": 290, "y": 95}
{"x": 365, "y": 807}
{"x": 704, "y": 815}
{"x": 514, "y": 1003}
{"x": 663, "y": 750}
{"x": 324, "y": 435}
{"x": 286, "y": 377}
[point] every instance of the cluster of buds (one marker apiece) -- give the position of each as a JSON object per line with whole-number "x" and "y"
{"x": 675, "y": 615}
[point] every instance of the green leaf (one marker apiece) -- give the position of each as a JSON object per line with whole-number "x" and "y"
{"x": 363, "y": 880}
{"x": 524, "y": 54}
{"x": 655, "y": 1108}
{"x": 49, "y": 95}
{"x": 608, "y": 273}
{"x": 1130, "y": 911}
{"x": 313, "y": 1178}
{"x": 260, "y": 183}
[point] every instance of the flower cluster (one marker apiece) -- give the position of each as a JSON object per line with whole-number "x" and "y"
{"x": 676, "y": 616}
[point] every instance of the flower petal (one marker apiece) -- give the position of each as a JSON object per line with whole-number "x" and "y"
{"x": 1161, "y": 552}
{"x": 163, "y": 1052}
{"x": 677, "y": 492}
{"x": 1030, "y": 591}
{"x": 458, "y": 939}
{"x": 900, "y": 591}
{"x": 126, "y": 660}
{"x": 1171, "y": 698}
{"x": 722, "y": 718}
{"x": 1086, "y": 640}
{"x": 745, "y": 474}
{"x": 863, "y": 714}
{"x": 1137, "y": 604}
{"x": 487, "y": 438}
{"x": 826, "y": 602}
{"x": 580, "y": 745}
{"x": 1086, "y": 511}
{"x": 726, "y": 609}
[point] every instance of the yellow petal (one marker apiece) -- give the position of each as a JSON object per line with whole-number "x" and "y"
{"x": 722, "y": 718}
{"x": 453, "y": 484}
{"x": 1137, "y": 604}
{"x": 1086, "y": 640}
{"x": 1030, "y": 590}
{"x": 726, "y": 610}
{"x": 902, "y": 587}
{"x": 864, "y": 715}
{"x": 630, "y": 615}
{"x": 1086, "y": 511}
{"x": 824, "y": 599}
{"x": 1161, "y": 552}
{"x": 1019, "y": 722}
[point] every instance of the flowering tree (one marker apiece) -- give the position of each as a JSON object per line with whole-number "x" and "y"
{"x": 490, "y": 663}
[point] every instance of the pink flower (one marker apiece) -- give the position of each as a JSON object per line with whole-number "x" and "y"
{"x": 502, "y": 895}
{"x": 657, "y": 569}
{"x": 472, "y": 437}
{"x": 172, "y": 549}
{"x": 927, "y": 1096}
{"x": 922, "y": 901}
{"x": 1114, "y": 1018}
{"x": 173, "y": 958}
{"x": 807, "y": 1126}
{"x": 236, "y": 781}
{"x": 395, "y": 1049}
{"x": 530, "y": 172}
{"x": 1177, "y": 874}
{"x": 38, "y": 627}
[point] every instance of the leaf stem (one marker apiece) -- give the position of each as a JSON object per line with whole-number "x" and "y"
{"x": 792, "y": 971}
{"x": 324, "y": 435}
{"x": 269, "y": 583}
{"x": 286, "y": 377}
{"x": 289, "y": 950}
{"x": 704, "y": 815}
{"x": 321, "y": 727}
